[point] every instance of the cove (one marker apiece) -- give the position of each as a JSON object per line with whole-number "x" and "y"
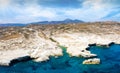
{"x": 110, "y": 63}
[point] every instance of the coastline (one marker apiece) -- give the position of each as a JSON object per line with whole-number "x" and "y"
{"x": 36, "y": 43}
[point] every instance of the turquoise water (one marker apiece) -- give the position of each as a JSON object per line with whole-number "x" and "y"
{"x": 110, "y": 63}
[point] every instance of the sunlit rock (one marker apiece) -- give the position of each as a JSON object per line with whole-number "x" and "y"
{"x": 92, "y": 61}
{"x": 41, "y": 41}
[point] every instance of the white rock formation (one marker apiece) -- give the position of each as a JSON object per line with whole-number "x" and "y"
{"x": 77, "y": 43}
{"x": 38, "y": 45}
{"x": 92, "y": 61}
{"x": 8, "y": 55}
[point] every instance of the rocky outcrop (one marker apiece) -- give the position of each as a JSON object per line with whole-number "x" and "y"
{"x": 8, "y": 55}
{"x": 29, "y": 44}
{"x": 92, "y": 61}
{"x": 41, "y": 41}
{"x": 77, "y": 43}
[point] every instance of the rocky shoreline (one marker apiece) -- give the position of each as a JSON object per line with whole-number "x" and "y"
{"x": 42, "y": 41}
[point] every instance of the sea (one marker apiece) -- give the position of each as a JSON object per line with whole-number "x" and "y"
{"x": 109, "y": 56}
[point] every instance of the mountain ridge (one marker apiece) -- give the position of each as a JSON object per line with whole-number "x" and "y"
{"x": 66, "y": 21}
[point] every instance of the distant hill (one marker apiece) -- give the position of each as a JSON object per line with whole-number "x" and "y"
{"x": 12, "y": 24}
{"x": 66, "y": 21}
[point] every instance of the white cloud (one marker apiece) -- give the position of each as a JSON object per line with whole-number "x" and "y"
{"x": 4, "y": 3}
{"x": 92, "y": 10}
{"x": 27, "y": 13}
{"x": 30, "y": 11}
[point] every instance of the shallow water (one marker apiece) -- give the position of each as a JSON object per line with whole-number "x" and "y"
{"x": 110, "y": 63}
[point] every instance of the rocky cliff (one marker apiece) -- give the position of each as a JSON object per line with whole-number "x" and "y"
{"x": 41, "y": 41}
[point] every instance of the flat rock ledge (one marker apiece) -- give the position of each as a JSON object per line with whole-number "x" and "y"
{"x": 92, "y": 61}
{"x": 7, "y": 57}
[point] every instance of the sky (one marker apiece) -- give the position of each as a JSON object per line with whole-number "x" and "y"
{"x": 26, "y": 11}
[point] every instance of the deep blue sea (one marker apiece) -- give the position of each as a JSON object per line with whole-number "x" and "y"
{"x": 110, "y": 63}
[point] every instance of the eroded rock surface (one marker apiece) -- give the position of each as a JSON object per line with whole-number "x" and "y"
{"x": 41, "y": 41}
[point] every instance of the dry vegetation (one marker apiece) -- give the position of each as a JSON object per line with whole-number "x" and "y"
{"x": 96, "y": 27}
{"x": 7, "y": 37}
{"x": 47, "y": 30}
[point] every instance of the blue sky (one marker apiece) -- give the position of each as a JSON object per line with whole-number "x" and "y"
{"x": 25, "y": 11}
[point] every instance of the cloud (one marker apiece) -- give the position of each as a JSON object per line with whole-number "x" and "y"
{"x": 61, "y": 3}
{"x": 4, "y": 3}
{"x": 25, "y": 11}
{"x": 27, "y": 14}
